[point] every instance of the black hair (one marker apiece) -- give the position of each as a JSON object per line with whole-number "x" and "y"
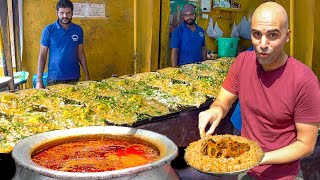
{"x": 64, "y": 4}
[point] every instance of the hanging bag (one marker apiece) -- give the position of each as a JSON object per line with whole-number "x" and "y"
{"x": 217, "y": 31}
{"x": 244, "y": 29}
{"x": 235, "y": 32}
{"x": 209, "y": 30}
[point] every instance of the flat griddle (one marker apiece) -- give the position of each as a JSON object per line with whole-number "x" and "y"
{"x": 172, "y": 114}
{"x": 147, "y": 120}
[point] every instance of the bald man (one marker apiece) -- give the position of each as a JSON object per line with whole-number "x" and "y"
{"x": 280, "y": 98}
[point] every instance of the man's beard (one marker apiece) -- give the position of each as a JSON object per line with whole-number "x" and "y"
{"x": 65, "y": 22}
{"x": 190, "y": 21}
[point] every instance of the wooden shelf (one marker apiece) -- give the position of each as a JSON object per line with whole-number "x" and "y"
{"x": 227, "y": 9}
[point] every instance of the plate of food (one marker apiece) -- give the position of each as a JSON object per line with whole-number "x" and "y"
{"x": 223, "y": 155}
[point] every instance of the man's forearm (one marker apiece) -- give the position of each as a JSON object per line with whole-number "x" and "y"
{"x": 204, "y": 53}
{"x": 84, "y": 66}
{"x": 41, "y": 65}
{"x": 224, "y": 100}
{"x": 307, "y": 134}
{"x": 174, "y": 62}
{"x": 174, "y": 57}
{"x": 42, "y": 61}
{"x": 219, "y": 104}
{"x": 83, "y": 61}
{"x": 287, "y": 154}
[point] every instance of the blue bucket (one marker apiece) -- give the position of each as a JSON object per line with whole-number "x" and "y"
{"x": 44, "y": 78}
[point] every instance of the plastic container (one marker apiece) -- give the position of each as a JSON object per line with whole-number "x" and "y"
{"x": 227, "y": 47}
{"x": 44, "y": 78}
{"x": 20, "y": 77}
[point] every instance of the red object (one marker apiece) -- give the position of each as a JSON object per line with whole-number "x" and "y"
{"x": 271, "y": 103}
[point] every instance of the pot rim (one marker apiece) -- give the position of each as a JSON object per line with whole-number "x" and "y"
{"x": 22, "y": 151}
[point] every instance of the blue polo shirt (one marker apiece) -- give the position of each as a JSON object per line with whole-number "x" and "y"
{"x": 63, "y": 50}
{"x": 189, "y": 44}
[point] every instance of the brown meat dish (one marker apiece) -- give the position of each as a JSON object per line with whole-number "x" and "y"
{"x": 224, "y": 147}
{"x": 223, "y": 154}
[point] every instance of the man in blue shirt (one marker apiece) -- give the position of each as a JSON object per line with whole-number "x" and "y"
{"x": 65, "y": 41}
{"x": 188, "y": 40}
{"x": 236, "y": 115}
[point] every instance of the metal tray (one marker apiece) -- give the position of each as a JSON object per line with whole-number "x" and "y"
{"x": 172, "y": 114}
{"x": 219, "y": 174}
{"x": 227, "y": 173}
{"x": 207, "y": 103}
{"x": 223, "y": 174}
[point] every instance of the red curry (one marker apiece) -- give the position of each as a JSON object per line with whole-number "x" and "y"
{"x": 96, "y": 156}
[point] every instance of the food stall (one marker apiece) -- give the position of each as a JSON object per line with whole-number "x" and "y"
{"x": 161, "y": 101}
{"x": 170, "y": 98}
{"x": 156, "y": 101}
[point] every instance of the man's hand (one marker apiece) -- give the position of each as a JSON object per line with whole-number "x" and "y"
{"x": 39, "y": 85}
{"x": 218, "y": 110}
{"x": 212, "y": 116}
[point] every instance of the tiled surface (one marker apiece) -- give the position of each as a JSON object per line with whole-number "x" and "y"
{"x": 310, "y": 167}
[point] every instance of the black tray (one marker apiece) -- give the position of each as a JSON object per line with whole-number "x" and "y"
{"x": 173, "y": 114}
{"x": 147, "y": 120}
{"x": 207, "y": 103}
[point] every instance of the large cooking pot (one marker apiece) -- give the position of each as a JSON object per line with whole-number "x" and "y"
{"x": 160, "y": 169}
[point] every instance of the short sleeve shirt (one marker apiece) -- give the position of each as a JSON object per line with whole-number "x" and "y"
{"x": 189, "y": 43}
{"x": 63, "y": 63}
{"x": 271, "y": 103}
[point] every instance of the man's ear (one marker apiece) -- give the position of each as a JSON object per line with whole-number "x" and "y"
{"x": 288, "y": 35}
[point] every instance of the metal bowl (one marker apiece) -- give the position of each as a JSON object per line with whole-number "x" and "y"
{"x": 160, "y": 169}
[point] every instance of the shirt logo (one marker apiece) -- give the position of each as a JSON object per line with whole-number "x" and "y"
{"x": 201, "y": 34}
{"x": 75, "y": 37}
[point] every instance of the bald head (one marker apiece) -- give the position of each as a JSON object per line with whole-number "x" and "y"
{"x": 269, "y": 34}
{"x": 271, "y": 12}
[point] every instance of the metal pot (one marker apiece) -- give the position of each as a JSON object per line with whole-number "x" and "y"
{"x": 160, "y": 169}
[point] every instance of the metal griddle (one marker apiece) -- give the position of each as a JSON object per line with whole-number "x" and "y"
{"x": 171, "y": 115}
